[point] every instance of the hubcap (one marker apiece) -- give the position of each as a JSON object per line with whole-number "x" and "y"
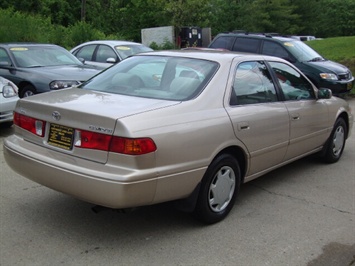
{"x": 221, "y": 189}
{"x": 338, "y": 141}
{"x": 28, "y": 93}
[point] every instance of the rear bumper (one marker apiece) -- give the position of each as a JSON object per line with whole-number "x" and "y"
{"x": 94, "y": 182}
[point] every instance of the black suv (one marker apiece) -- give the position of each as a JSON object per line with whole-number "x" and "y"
{"x": 322, "y": 72}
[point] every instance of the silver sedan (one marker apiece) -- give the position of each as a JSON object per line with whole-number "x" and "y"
{"x": 186, "y": 126}
{"x": 105, "y": 53}
{"x": 8, "y": 100}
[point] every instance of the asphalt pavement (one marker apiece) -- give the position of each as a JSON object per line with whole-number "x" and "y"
{"x": 300, "y": 214}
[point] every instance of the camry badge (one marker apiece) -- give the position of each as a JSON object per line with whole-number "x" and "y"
{"x": 56, "y": 115}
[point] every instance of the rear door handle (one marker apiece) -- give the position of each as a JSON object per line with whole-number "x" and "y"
{"x": 295, "y": 116}
{"x": 243, "y": 126}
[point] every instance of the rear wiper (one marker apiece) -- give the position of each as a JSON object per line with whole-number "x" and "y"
{"x": 316, "y": 59}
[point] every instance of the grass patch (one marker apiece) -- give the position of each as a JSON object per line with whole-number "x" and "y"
{"x": 338, "y": 49}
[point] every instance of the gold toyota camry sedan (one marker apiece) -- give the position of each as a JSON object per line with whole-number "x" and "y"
{"x": 187, "y": 126}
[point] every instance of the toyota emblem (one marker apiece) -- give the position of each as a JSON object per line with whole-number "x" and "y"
{"x": 56, "y": 115}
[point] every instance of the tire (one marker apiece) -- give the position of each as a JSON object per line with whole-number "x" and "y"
{"x": 219, "y": 189}
{"x": 26, "y": 91}
{"x": 6, "y": 125}
{"x": 336, "y": 142}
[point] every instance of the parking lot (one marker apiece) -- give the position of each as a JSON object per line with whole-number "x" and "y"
{"x": 300, "y": 214}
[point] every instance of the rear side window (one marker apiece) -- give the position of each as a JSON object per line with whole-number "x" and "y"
{"x": 246, "y": 45}
{"x": 274, "y": 49}
{"x": 223, "y": 42}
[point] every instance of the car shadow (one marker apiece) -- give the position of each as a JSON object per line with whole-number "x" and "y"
{"x": 75, "y": 217}
{"x": 5, "y": 130}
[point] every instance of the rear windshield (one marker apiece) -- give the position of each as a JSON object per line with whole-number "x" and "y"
{"x": 157, "y": 77}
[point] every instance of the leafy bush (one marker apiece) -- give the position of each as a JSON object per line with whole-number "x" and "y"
{"x": 19, "y": 27}
{"x": 166, "y": 45}
{"x": 82, "y": 32}
{"x": 22, "y": 27}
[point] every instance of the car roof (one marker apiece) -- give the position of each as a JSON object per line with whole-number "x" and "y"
{"x": 271, "y": 36}
{"x": 111, "y": 42}
{"x": 211, "y": 54}
{"x": 11, "y": 44}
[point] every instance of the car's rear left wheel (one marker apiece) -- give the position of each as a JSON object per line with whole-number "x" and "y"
{"x": 219, "y": 189}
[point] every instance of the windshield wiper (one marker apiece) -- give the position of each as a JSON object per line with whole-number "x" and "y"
{"x": 316, "y": 59}
{"x": 33, "y": 66}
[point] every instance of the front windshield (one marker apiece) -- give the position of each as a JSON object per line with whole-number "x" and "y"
{"x": 126, "y": 50}
{"x": 39, "y": 56}
{"x": 302, "y": 51}
{"x": 157, "y": 77}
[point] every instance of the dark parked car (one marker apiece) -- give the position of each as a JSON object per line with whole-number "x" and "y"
{"x": 322, "y": 72}
{"x": 37, "y": 68}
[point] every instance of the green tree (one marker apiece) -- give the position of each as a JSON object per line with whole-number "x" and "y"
{"x": 61, "y": 12}
{"x": 338, "y": 18}
{"x": 310, "y": 13}
{"x": 134, "y": 15}
{"x": 280, "y": 16}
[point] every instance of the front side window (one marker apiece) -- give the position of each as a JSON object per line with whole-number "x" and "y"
{"x": 293, "y": 85}
{"x": 105, "y": 52}
{"x": 157, "y": 77}
{"x": 252, "y": 84}
{"x": 274, "y": 49}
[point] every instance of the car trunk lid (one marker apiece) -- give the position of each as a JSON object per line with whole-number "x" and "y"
{"x": 69, "y": 112}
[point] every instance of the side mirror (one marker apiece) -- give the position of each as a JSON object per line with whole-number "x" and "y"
{"x": 82, "y": 60}
{"x": 5, "y": 64}
{"x": 324, "y": 93}
{"x": 111, "y": 60}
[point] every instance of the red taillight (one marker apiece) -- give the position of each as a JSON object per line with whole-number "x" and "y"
{"x": 33, "y": 125}
{"x": 98, "y": 141}
{"x": 92, "y": 140}
{"x": 132, "y": 146}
